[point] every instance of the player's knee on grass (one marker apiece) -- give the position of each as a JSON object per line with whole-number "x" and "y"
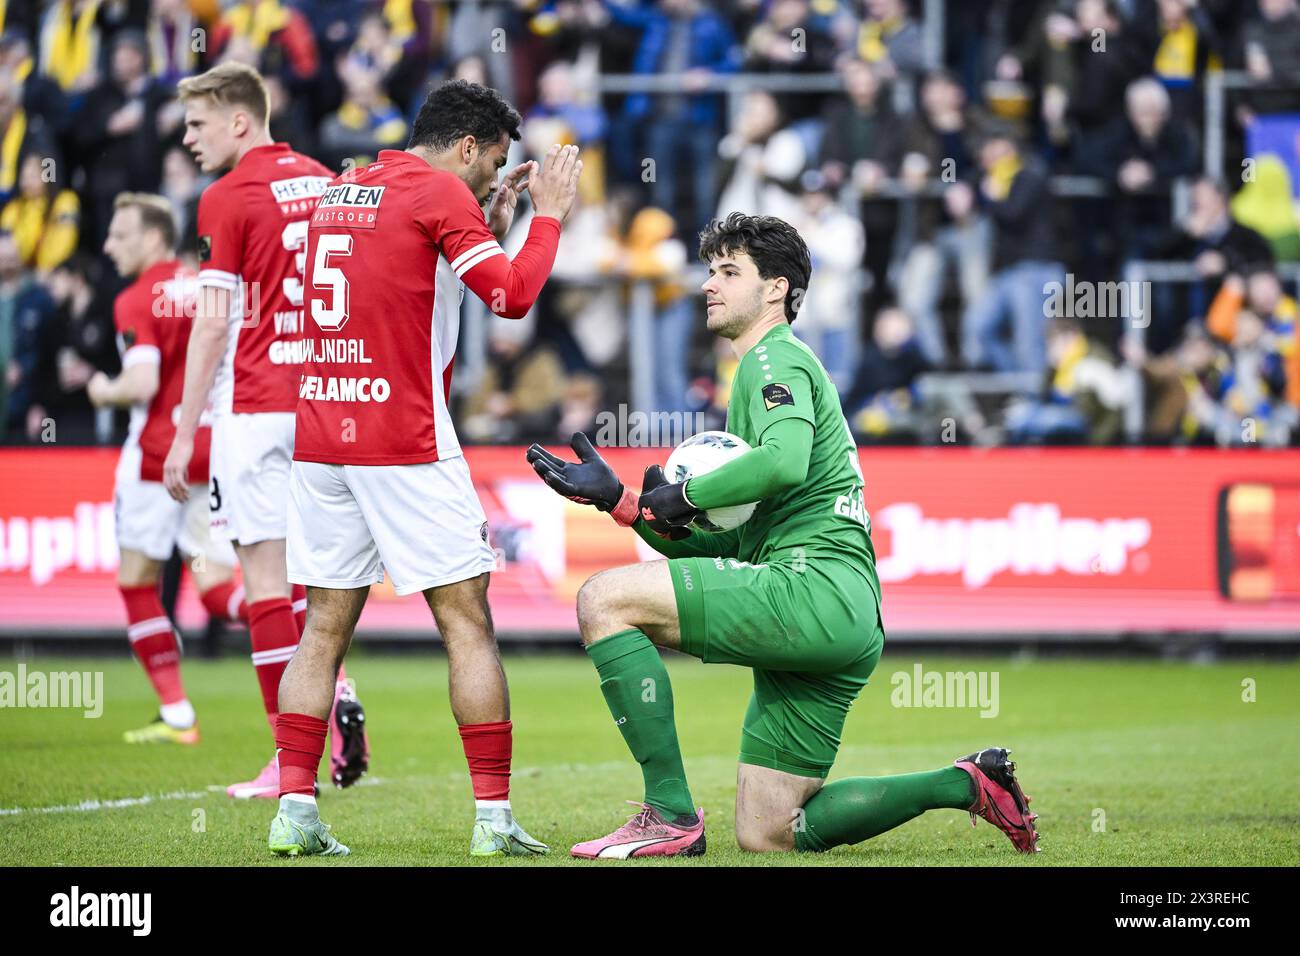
{"x": 768, "y": 806}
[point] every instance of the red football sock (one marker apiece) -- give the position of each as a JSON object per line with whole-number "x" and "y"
{"x": 154, "y": 642}
{"x": 299, "y": 744}
{"x": 225, "y": 602}
{"x": 274, "y": 637}
{"x": 487, "y": 749}
{"x": 299, "y": 598}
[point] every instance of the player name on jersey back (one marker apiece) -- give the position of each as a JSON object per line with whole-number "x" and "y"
{"x": 381, "y": 313}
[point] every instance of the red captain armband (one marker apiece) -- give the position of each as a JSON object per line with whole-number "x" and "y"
{"x": 626, "y": 511}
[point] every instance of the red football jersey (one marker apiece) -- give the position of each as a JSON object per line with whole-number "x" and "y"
{"x": 252, "y": 229}
{"x": 153, "y": 316}
{"x": 388, "y": 248}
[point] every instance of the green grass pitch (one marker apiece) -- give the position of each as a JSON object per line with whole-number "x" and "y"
{"x": 1129, "y": 763}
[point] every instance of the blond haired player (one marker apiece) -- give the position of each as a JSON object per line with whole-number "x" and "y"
{"x": 244, "y": 352}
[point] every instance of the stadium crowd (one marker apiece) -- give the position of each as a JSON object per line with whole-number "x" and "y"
{"x": 968, "y": 196}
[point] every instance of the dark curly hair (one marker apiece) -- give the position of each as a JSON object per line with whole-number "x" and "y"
{"x": 457, "y": 109}
{"x": 775, "y": 246}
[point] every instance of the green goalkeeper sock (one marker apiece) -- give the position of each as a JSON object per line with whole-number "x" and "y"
{"x": 636, "y": 688}
{"x": 856, "y": 809}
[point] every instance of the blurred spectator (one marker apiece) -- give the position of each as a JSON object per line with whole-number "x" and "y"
{"x": 520, "y": 395}
{"x": 117, "y": 136}
{"x": 1082, "y": 398}
{"x": 1265, "y": 204}
{"x": 1141, "y": 154}
{"x": 1015, "y": 196}
{"x": 407, "y": 31}
{"x": 563, "y": 115}
{"x": 883, "y": 399}
{"x": 366, "y": 122}
{"x": 687, "y": 39}
{"x": 74, "y": 342}
{"x": 182, "y": 186}
{"x": 43, "y": 217}
{"x": 16, "y": 137}
{"x": 1187, "y": 47}
{"x": 1209, "y": 235}
{"x": 1215, "y": 244}
{"x": 42, "y": 100}
{"x": 829, "y": 315}
{"x": 889, "y": 39}
{"x": 279, "y": 37}
{"x": 863, "y": 135}
{"x": 170, "y": 29}
{"x": 790, "y": 39}
{"x": 1271, "y": 49}
{"x": 648, "y": 253}
{"x": 1250, "y": 406}
{"x": 862, "y": 146}
{"x": 761, "y": 162}
{"x": 1091, "y": 59}
{"x": 949, "y": 233}
{"x": 69, "y": 44}
{"x": 1260, "y": 296}
{"x": 377, "y": 48}
{"x": 25, "y": 308}
{"x": 1177, "y": 386}
{"x": 290, "y": 119}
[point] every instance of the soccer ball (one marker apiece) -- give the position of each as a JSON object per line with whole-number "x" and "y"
{"x": 701, "y": 454}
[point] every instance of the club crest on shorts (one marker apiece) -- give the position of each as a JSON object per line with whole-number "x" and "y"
{"x": 482, "y": 531}
{"x": 205, "y": 248}
{"x": 776, "y": 394}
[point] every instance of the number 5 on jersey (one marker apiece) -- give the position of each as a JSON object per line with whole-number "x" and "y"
{"x": 333, "y": 317}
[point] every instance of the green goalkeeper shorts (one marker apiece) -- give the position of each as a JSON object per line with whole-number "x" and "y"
{"x": 812, "y": 633}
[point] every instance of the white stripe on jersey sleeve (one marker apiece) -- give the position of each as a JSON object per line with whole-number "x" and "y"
{"x": 140, "y": 355}
{"x": 218, "y": 279}
{"x": 485, "y": 254}
{"x": 470, "y": 253}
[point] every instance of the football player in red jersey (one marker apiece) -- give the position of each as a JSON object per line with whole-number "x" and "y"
{"x": 378, "y": 483}
{"x": 245, "y": 352}
{"x": 153, "y": 316}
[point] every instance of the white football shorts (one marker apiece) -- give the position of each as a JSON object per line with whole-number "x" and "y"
{"x": 148, "y": 520}
{"x": 249, "y": 488}
{"x": 422, "y": 524}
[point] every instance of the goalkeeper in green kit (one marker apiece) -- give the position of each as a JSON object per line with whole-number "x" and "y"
{"x": 792, "y": 594}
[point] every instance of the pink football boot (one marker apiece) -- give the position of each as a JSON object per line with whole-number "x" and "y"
{"x": 647, "y": 834}
{"x": 998, "y": 797}
{"x": 265, "y": 785}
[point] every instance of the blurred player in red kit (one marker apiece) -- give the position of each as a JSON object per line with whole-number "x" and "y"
{"x": 153, "y": 316}
{"x": 245, "y": 352}
{"x": 379, "y": 484}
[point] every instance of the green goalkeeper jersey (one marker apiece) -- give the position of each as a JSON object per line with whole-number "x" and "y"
{"x": 825, "y": 516}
